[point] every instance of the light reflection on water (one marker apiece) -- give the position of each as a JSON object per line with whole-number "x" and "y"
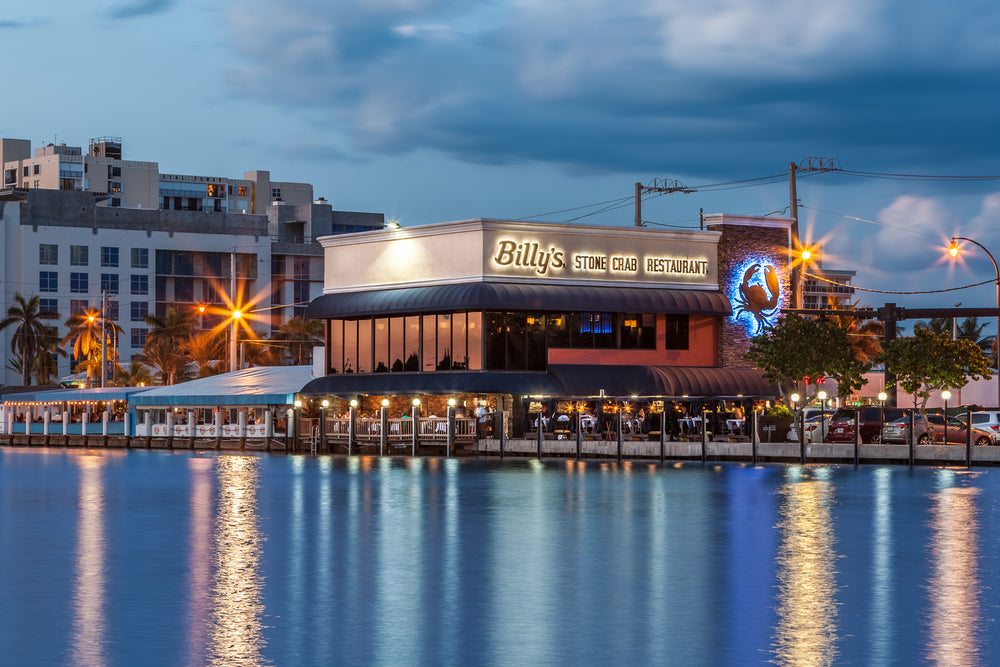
{"x": 313, "y": 561}
{"x": 199, "y": 588}
{"x": 953, "y": 589}
{"x": 883, "y": 621}
{"x": 237, "y": 608}
{"x": 88, "y": 641}
{"x": 807, "y": 586}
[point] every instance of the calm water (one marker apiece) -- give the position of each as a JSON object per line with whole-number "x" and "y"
{"x": 157, "y": 558}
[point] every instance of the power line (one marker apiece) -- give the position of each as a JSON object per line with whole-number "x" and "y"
{"x": 917, "y": 177}
{"x": 879, "y": 291}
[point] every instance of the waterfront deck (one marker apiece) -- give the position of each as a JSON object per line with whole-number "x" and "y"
{"x": 432, "y": 440}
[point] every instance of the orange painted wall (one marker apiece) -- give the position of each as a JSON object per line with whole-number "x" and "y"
{"x": 702, "y": 338}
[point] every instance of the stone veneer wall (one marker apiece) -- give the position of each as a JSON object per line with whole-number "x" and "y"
{"x": 742, "y": 241}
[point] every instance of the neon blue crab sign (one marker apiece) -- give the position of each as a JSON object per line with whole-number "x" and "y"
{"x": 755, "y": 295}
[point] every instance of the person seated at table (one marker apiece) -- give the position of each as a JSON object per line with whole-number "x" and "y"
{"x": 674, "y": 415}
{"x": 653, "y": 422}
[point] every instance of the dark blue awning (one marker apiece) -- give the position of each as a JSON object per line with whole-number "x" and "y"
{"x": 518, "y": 296}
{"x": 478, "y": 382}
{"x": 560, "y": 380}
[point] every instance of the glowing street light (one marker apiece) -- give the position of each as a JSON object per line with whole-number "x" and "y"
{"x": 236, "y": 316}
{"x": 945, "y": 395}
{"x": 953, "y": 251}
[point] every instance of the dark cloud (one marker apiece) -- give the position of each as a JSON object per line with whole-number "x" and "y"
{"x": 140, "y": 8}
{"x": 711, "y": 94}
{"x": 14, "y": 24}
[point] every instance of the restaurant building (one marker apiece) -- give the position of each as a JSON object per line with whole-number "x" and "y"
{"x": 505, "y": 314}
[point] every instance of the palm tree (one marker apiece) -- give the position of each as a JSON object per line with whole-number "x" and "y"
{"x": 46, "y": 368}
{"x": 968, "y": 329}
{"x": 86, "y": 333}
{"x": 257, "y": 351}
{"x": 135, "y": 375}
{"x": 29, "y": 331}
{"x": 865, "y": 335}
{"x": 298, "y": 337}
{"x": 206, "y": 348}
{"x": 164, "y": 343}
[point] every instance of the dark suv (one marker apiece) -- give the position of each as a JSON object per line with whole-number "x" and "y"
{"x": 872, "y": 416}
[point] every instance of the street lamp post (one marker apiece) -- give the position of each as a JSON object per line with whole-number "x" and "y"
{"x": 233, "y": 365}
{"x": 798, "y": 418}
{"x": 881, "y": 399}
{"x": 945, "y": 395}
{"x": 821, "y": 395}
{"x": 953, "y": 251}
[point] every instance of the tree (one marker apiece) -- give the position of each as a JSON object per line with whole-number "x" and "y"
{"x": 255, "y": 350}
{"x": 165, "y": 341}
{"x": 865, "y": 335}
{"x": 968, "y": 329}
{"x": 927, "y": 362}
{"x": 46, "y": 368}
{"x": 298, "y": 336}
{"x": 28, "y": 340}
{"x": 85, "y": 334}
{"x": 206, "y": 349}
{"x": 797, "y": 347}
{"x": 135, "y": 375}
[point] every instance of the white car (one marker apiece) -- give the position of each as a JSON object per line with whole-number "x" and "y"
{"x": 816, "y": 428}
{"x": 988, "y": 420}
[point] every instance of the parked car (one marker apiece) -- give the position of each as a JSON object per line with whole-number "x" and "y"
{"x": 872, "y": 418}
{"x": 988, "y": 420}
{"x": 816, "y": 428}
{"x": 932, "y": 431}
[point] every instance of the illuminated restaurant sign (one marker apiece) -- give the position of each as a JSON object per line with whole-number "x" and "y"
{"x": 544, "y": 259}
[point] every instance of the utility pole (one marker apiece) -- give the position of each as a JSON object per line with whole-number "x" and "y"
{"x": 659, "y": 185}
{"x": 809, "y": 164}
{"x": 104, "y": 340}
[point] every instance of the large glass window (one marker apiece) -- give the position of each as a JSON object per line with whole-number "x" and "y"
{"x": 411, "y": 344}
{"x": 140, "y": 285}
{"x": 517, "y": 353}
{"x": 139, "y": 311}
{"x": 535, "y": 353}
{"x": 444, "y": 341}
{"x": 496, "y": 341}
{"x": 79, "y": 283}
{"x": 474, "y": 329}
{"x": 48, "y": 253}
{"x": 639, "y": 331}
{"x": 79, "y": 255}
{"x": 429, "y": 348}
{"x": 48, "y": 281}
{"x": 397, "y": 345}
{"x": 109, "y": 257}
{"x": 212, "y": 265}
{"x": 459, "y": 355}
{"x": 184, "y": 290}
{"x": 109, "y": 283}
{"x": 557, "y": 329}
{"x": 139, "y": 338}
{"x": 336, "y": 346}
{"x": 48, "y": 306}
{"x": 677, "y": 332}
{"x": 364, "y": 346}
{"x": 140, "y": 258}
{"x": 350, "y": 346}
{"x": 381, "y": 345}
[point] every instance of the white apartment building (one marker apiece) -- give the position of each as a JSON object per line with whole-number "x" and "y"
{"x": 67, "y": 247}
{"x": 135, "y": 184}
{"x": 821, "y": 284}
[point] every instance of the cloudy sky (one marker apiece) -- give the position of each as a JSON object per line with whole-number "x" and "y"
{"x": 434, "y": 110}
